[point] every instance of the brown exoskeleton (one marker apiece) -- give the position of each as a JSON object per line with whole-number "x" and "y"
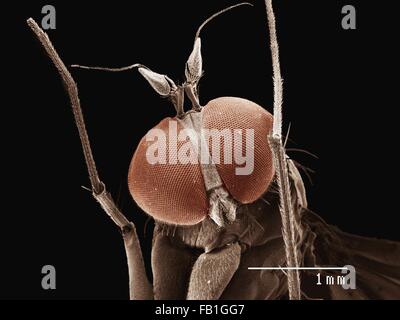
{"x": 210, "y": 259}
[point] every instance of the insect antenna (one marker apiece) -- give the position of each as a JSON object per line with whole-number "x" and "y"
{"x": 194, "y": 64}
{"x": 161, "y": 83}
{"x": 219, "y": 13}
{"x": 130, "y": 67}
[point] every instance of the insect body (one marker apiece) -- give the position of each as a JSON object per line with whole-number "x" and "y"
{"x": 214, "y": 217}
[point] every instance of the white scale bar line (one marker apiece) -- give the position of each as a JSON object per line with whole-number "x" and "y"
{"x": 299, "y": 268}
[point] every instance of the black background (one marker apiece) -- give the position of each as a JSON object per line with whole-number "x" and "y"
{"x": 339, "y": 97}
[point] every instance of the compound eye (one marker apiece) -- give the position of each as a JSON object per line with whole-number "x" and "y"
{"x": 169, "y": 191}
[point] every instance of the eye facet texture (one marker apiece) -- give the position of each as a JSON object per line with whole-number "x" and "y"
{"x": 174, "y": 193}
{"x": 171, "y": 193}
{"x": 237, "y": 113}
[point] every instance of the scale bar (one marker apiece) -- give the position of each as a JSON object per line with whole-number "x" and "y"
{"x": 298, "y": 268}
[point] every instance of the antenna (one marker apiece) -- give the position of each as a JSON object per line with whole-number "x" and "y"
{"x": 219, "y": 13}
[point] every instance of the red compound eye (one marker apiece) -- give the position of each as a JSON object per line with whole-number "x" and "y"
{"x": 236, "y": 113}
{"x": 171, "y": 193}
{"x": 174, "y": 192}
